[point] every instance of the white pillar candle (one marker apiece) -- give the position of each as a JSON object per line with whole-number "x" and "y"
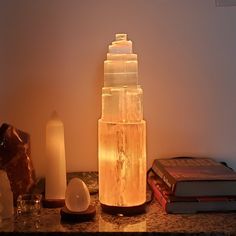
{"x": 55, "y": 159}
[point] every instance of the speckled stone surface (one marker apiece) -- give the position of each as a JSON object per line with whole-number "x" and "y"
{"x": 154, "y": 221}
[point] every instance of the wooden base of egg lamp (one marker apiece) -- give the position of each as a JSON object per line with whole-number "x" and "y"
{"x": 53, "y": 203}
{"x": 87, "y": 215}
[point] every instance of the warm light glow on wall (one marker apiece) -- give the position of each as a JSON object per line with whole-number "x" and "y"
{"x": 122, "y": 131}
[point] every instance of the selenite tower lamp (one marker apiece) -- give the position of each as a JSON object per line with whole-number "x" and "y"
{"x": 122, "y": 133}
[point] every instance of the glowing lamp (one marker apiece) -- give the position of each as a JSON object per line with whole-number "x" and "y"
{"x": 122, "y": 133}
{"x": 55, "y": 185}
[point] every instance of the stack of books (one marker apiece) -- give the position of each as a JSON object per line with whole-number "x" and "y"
{"x": 190, "y": 185}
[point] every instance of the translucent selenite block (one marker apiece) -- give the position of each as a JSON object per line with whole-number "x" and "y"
{"x": 120, "y": 73}
{"x": 120, "y": 37}
{"x": 122, "y": 163}
{"x": 119, "y": 66}
{"x": 120, "y": 79}
{"x": 122, "y": 104}
{"x": 127, "y": 57}
{"x": 121, "y": 45}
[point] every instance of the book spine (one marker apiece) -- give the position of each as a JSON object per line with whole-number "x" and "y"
{"x": 157, "y": 193}
{"x": 169, "y": 180}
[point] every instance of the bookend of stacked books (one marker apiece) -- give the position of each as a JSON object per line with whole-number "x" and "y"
{"x": 191, "y": 185}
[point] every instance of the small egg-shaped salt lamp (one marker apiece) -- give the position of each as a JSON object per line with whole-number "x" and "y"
{"x": 77, "y": 196}
{"x": 77, "y": 202}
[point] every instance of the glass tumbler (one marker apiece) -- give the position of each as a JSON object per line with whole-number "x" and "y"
{"x": 29, "y": 204}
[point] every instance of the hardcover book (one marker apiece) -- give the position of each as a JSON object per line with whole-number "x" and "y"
{"x": 182, "y": 205}
{"x": 196, "y": 176}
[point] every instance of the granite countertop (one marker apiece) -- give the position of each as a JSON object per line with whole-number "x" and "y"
{"x": 155, "y": 220}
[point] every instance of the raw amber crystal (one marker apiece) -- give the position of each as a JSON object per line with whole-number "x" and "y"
{"x": 15, "y": 159}
{"x": 122, "y": 130}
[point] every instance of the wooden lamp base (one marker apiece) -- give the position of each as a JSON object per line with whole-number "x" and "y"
{"x": 53, "y": 203}
{"x": 126, "y": 211}
{"x": 87, "y": 215}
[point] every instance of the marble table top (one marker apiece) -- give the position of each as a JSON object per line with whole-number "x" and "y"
{"x": 155, "y": 220}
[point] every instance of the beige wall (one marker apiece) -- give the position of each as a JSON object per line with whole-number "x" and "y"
{"x": 51, "y": 57}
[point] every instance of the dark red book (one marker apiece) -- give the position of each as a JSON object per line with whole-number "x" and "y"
{"x": 196, "y": 176}
{"x": 173, "y": 204}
